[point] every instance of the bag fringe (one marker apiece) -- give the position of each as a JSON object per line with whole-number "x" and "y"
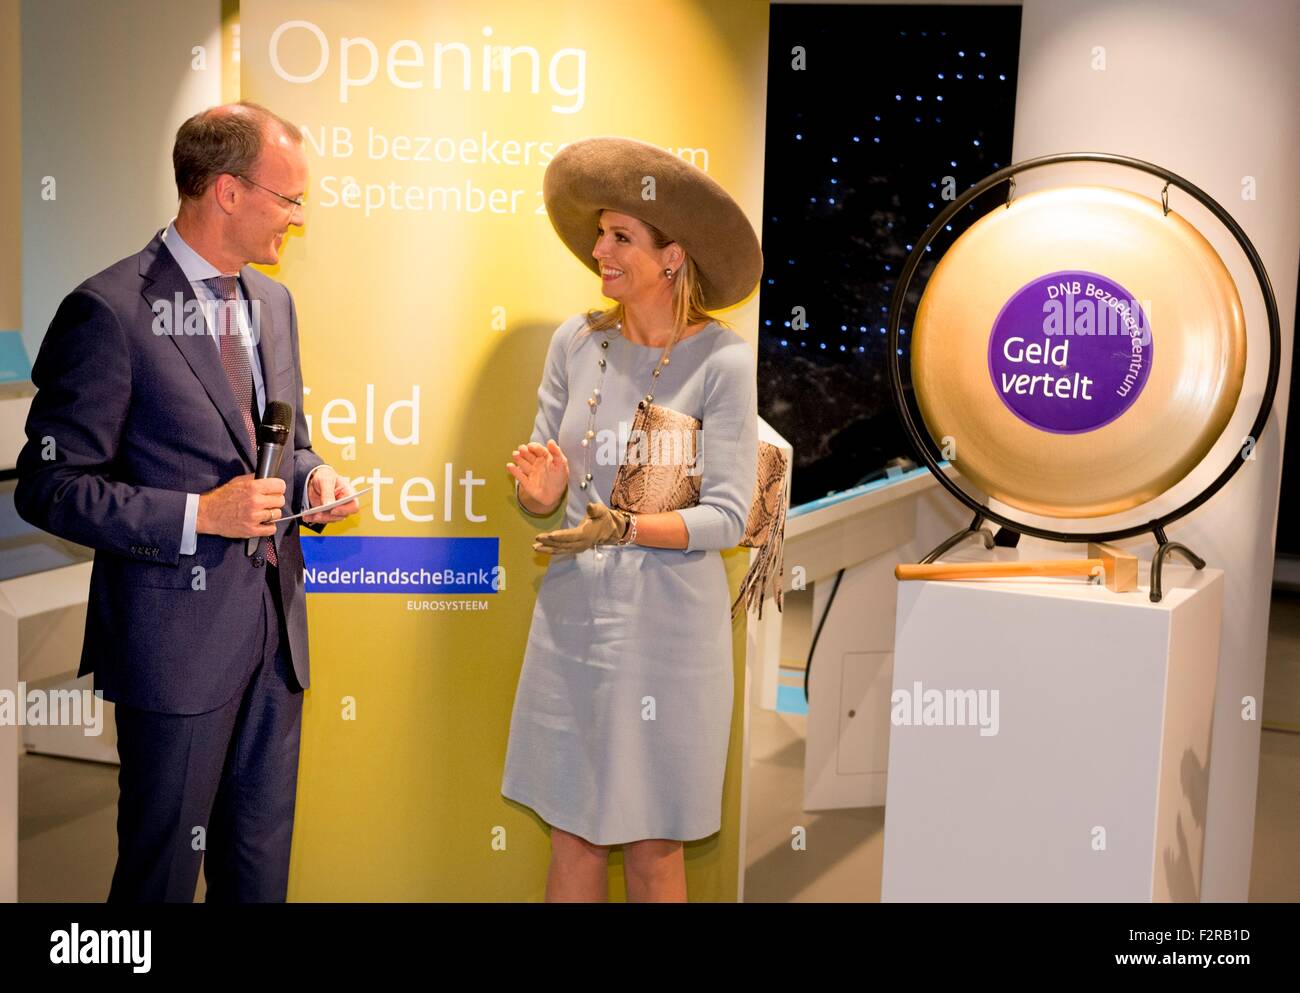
{"x": 767, "y": 570}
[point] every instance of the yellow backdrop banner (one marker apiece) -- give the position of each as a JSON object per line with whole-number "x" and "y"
{"x": 428, "y": 282}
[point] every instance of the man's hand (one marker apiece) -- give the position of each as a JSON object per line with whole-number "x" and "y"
{"x": 325, "y": 487}
{"x": 245, "y": 507}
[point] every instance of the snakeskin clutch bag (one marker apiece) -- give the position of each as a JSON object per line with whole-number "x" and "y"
{"x": 660, "y": 472}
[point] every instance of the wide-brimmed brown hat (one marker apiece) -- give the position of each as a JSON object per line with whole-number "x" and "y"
{"x": 598, "y": 174}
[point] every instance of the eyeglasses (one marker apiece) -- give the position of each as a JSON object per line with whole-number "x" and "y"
{"x": 298, "y": 202}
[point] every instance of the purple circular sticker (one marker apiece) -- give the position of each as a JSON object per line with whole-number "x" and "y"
{"x": 1070, "y": 351}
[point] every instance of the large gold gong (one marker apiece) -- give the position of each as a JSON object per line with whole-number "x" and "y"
{"x": 1078, "y": 352}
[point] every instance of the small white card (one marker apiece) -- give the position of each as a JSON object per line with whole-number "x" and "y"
{"x": 325, "y": 506}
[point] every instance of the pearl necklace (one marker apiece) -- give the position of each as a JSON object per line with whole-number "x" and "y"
{"x": 593, "y": 401}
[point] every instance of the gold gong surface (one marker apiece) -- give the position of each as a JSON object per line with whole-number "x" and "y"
{"x": 1147, "y": 380}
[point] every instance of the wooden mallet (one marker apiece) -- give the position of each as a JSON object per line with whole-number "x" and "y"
{"x": 1116, "y": 568}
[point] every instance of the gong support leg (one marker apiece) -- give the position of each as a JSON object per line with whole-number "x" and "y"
{"x": 975, "y": 528}
{"x": 1164, "y": 550}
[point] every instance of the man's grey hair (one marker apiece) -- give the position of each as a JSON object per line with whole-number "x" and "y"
{"x": 219, "y": 140}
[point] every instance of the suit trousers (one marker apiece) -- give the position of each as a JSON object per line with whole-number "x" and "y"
{"x": 217, "y": 787}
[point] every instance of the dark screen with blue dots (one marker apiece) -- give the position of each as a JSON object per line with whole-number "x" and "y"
{"x": 888, "y": 101}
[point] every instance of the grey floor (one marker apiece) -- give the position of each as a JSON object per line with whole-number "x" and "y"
{"x": 67, "y": 809}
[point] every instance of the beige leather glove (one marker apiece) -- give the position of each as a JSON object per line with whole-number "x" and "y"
{"x": 602, "y": 526}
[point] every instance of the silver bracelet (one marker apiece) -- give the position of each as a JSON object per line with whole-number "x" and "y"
{"x": 630, "y": 537}
{"x": 529, "y": 512}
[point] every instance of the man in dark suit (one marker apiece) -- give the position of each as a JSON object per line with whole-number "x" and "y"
{"x": 141, "y": 444}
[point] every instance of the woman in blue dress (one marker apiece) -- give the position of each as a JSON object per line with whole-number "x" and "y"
{"x": 623, "y": 711}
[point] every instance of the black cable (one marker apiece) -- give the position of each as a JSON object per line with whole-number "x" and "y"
{"x": 820, "y": 624}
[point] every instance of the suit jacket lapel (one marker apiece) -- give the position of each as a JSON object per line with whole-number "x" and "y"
{"x": 164, "y": 285}
{"x": 263, "y": 320}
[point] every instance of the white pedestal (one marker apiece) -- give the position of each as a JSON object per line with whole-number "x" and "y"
{"x": 1094, "y": 785}
{"x": 42, "y": 620}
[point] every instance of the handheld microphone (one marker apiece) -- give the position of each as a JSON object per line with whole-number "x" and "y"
{"x": 271, "y": 436}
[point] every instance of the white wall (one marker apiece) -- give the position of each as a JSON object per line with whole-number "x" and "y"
{"x": 1208, "y": 89}
{"x": 105, "y": 85}
{"x": 10, "y": 166}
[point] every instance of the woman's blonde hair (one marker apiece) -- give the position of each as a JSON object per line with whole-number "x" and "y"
{"x": 688, "y": 306}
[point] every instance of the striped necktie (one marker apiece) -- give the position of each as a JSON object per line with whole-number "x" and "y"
{"x": 234, "y": 359}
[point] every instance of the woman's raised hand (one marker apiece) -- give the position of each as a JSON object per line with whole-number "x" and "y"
{"x": 542, "y": 471}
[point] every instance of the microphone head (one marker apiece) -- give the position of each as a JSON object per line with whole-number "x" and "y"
{"x": 276, "y": 420}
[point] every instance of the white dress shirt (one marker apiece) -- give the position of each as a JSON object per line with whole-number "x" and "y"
{"x": 197, "y": 269}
